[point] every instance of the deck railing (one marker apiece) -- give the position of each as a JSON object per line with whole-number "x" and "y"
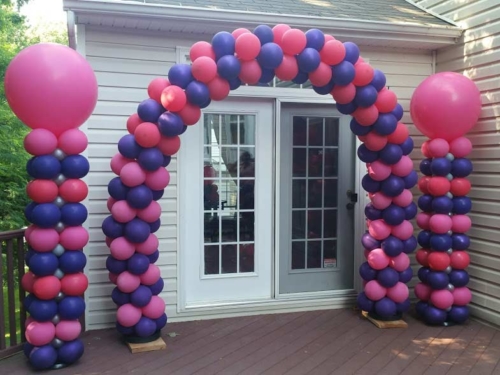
{"x": 12, "y": 313}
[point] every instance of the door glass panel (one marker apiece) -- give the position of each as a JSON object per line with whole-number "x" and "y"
{"x": 314, "y": 185}
{"x": 228, "y": 186}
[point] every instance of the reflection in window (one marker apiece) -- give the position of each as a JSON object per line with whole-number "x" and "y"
{"x": 229, "y": 182}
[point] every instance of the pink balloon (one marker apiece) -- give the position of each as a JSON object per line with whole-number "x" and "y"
{"x": 250, "y": 72}
{"x": 366, "y": 116}
{"x": 386, "y": 100}
{"x": 445, "y": 105}
{"x": 40, "y": 333}
{"x": 366, "y": 253}
{"x": 28, "y": 321}
{"x": 74, "y": 238}
{"x": 155, "y": 88}
{"x": 121, "y": 248}
{"x": 68, "y": 330}
{"x": 403, "y": 231}
{"x": 200, "y": 49}
{"x": 151, "y": 275}
{"x": 288, "y": 68}
{"x": 204, "y": 69}
{"x": 460, "y": 223}
{"x": 293, "y": 42}
{"x": 190, "y": 115}
{"x": 173, "y": 98}
{"x": 73, "y": 142}
{"x": 380, "y": 201}
{"x": 374, "y": 290}
{"x": 155, "y": 308}
{"x": 379, "y": 230}
{"x": 118, "y": 162}
{"x": 127, "y": 282}
{"x": 149, "y": 246}
{"x": 333, "y": 52}
{"x": 460, "y": 147}
{"x": 218, "y": 88}
{"x": 440, "y": 223}
{"x": 28, "y": 231}
{"x": 400, "y": 262}
{"x": 40, "y": 142}
{"x": 110, "y": 202}
{"x": 44, "y": 240}
{"x": 247, "y": 46}
{"x": 113, "y": 277}
{"x": 278, "y": 32}
{"x": 398, "y": 293}
{"x": 128, "y": 315}
{"x": 438, "y": 147}
{"x": 151, "y": 213}
{"x": 379, "y": 171}
{"x": 364, "y": 75}
{"x": 132, "y": 174}
{"x": 322, "y": 75}
{"x": 423, "y": 291}
{"x": 51, "y": 86}
{"x": 344, "y": 94}
{"x": 158, "y": 179}
{"x": 328, "y": 37}
{"x": 403, "y": 199}
{"x": 461, "y": 296}
{"x": 423, "y": 219}
{"x": 403, "y": 167}
{"x": 378, "y": 259}
{"x": 442, "y": 299}
{"x": 236, "y": 33}
{"x": 425, "y": 149}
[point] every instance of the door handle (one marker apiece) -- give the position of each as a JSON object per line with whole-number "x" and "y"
{"x": 353, "y": 197}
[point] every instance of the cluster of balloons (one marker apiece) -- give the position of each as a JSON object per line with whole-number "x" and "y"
{"x": 444, "y": 108}
{"x": 53, "y": 90}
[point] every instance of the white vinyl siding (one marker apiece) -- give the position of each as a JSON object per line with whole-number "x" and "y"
{"x": 477, "y": 55}
{"x": 125, "y": 61}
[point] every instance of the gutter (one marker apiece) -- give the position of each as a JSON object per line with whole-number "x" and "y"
{"x": 242, "y": 18}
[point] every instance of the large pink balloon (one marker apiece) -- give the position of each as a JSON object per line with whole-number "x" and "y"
{"x": 51, "y": 86}
{"x": 445, "y": 105}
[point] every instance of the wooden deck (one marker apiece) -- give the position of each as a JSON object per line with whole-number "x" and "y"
{"x": 320, "y": 342}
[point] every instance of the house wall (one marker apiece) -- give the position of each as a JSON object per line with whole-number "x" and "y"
{"x": 125, "y": 62}
{"x": 477, "y": 55}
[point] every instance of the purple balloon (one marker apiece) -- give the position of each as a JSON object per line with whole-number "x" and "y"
{"x": 442, "y": 205}
{"x": 386, "y": 124}
{"x": 223, "y": 44}
{"x": 398, "y": 112}
{"x": 264, "y": 33}
{"x": 388, "y": 277}
{"x": 440, "y": 242}
{"x": 120, "y": 298}
{"x": 351, "y": 52}
{"x": 366, "y": 272}
{"x": 137, "y": 231}
{"x": 154, "y": 257}
{"x": 266, "y": 76}
{"x": 406, "y": 275}
{"x": 366, "y": 96}
{"x": 366, "y": 155}
{"x": 70, "y": 352}
{"x": 461, "y": 167}
{"x": 423, "y": 273}
{"x": 372, "y": 213}
{"x": 437, "y": 279}
{"x": 378, "y": 80}
{"x": 300, "y": 78}
{"x": 157, "y": 287}
{"x": 139, "y": 197}
{"x": 420, "y": 308}
{"x": 170, "y": 124}
{"x": 407, "y": 146}
{"x": 145, "y": 327}
{"x": 315, "y": 39}
{"x": 150, "y": 159}
{"x": 117, "y": 189}
{"x": 346, "y": 109}
{"x": 459, "y": 314}
{"x": 161, "y": 322}
{"x": 364, "y": 303}
{"x": 308, "y": 60}
{"x": 324, "y": 90}
{"x": 166, "y": 160}
{"x": 459, "y": 278}
{"x": 43, "y": 167}
{"x": 149, "y": 110}
{"x": 424, "y": 239}
{"x": 137, "y": 264}
{"x": 234, "y": 83}
{"x": 229, "y": 67}
{"x": 271, "y": 56}
{"x": 358, "y": 129}
{"x": 204, "y": 105}
{"x": 392, "y": 246}
{"x": 403, "y": 306}
{"x": 411, "y": 180}
{"x": 115, "y": 266}
{"x": 111, "y": 228}
{"x": 43, "y": 357}
{"x": 393, "y": 215}
{"x": 196, "y": 93}
{"x": 154, "y": 226}
{"x": 391, "y": 154}
{"x": 410, "y": 210}
{"x": 124, "y": 330}
{"x": 141, "y": 296}
{"x": 368, "y": 242}
{"x": 462, "y": 205}
{"x": 440, "y": 166}
{"x": 343, "y": 73}
{"x": 425, "y": 202}
{"x": 460, "y": 241}
{"x": 392, "y": 186}
{"x": 370, "y": 185}
{"x": 180, "y": 75}
{"x": 434, "y": 316}
{"x": 158, "y": 194}
{"x": 425, "y": 167}
{"x": 386, "y": 308}
{"x": 128, "y": 147}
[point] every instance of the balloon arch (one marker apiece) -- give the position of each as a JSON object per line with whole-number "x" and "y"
{"x": 53, "y": 90}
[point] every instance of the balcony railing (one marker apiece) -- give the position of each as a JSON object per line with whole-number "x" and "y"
{"x": 12, "y": 313}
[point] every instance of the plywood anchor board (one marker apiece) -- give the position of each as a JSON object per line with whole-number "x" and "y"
{"x": 158, "y": 344}
{"x": 385, "y": 324}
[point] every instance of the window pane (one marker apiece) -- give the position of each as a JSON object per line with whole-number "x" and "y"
{"x": 314, "y": 224}
{"x": 229, "y": 259}
{"x": 211, "y": 124}
{"x": 229, "y": 226}
{"x": 247, "y": 194}
{"x": 299, "y": 131}
{"x": 211, "y": 162}
{"x": 330, "y": 193}
{"x": 315, "y": 162}
{"x": 247, "y": 130}
{"x": 247, "y": 162}
{"x": 330, "y": 254}
{"x": 229, "y": 130}
{"x": 315, "y": 131}
{"x": 211, "y": 227}
{"x": 229, "y": 194}
{"x": 247, "y": 220}
{"x": 211, "y": 260}
{"x": 315, "y": 193}
{"x": 247, "y": 258}
{"x": 314, "y": 254}
{"x": 298, "y": 255}
{"x": 299, "y": 162}
{"x": 298, "y": 224}
{"x": 331, "y": 163}
{"x": 330, "y": 223}
{"x": 298, "y": 194}
{"x": 331, "y": 131}
{"x": 229, "y": 162}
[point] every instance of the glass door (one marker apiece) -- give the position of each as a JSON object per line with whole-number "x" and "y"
{"x": 226, "y": 204}
{"x": 316, "y": 164}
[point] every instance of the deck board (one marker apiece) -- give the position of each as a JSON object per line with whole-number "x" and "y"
{"x": 319, "y": 342}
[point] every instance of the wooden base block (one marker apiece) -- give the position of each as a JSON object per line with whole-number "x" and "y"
{"x": 385, "y": 324}
{"x": 158, "y": 344}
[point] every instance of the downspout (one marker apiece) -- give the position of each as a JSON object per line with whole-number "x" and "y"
{"x": 70, "y": 15}
{"x": 434, "y": 54}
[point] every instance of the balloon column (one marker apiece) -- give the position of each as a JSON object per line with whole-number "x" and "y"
{"x": 444, "y": 108}
{"x": 53, "y": 90}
